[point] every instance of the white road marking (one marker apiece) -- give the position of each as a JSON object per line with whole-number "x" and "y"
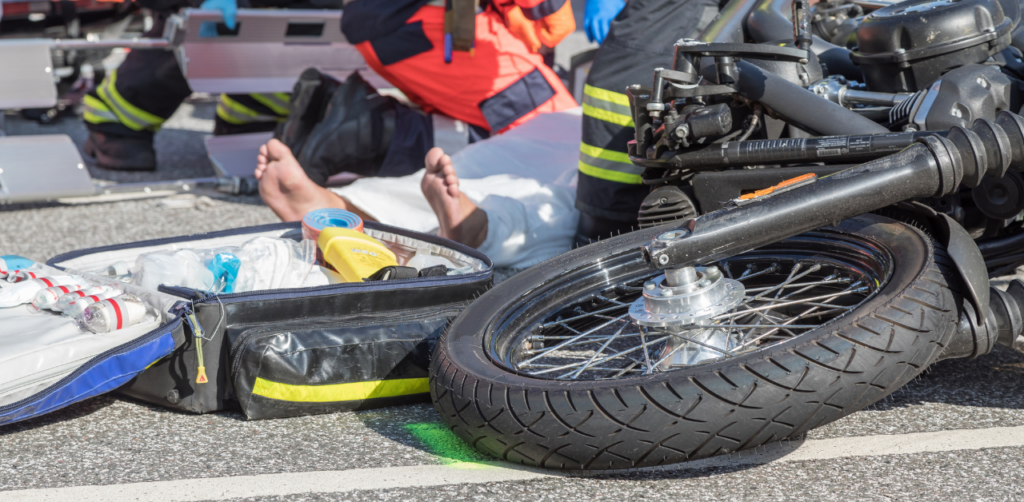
{"x": 384, "y": 478}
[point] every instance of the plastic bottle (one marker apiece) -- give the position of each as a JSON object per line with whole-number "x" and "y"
{"x": 64, "y": 301}
{"x": 78, "y": 306}
{"x": 113, "y": 314}
{"x": 47, "y": 298}
{"x": 24, "y": 291}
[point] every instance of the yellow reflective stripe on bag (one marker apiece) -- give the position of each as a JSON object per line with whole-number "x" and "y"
{"x": 609, "y": 165}
{"x": 355, "y": 391}
{"x": 128, "y": 114}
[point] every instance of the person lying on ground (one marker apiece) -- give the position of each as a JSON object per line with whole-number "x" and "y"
{"x": 511, "y": 196}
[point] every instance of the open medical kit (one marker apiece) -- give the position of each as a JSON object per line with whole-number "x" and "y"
{"x": 280, "y": 320}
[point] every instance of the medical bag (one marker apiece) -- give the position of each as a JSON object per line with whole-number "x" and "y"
{"x": 272, "y": 352}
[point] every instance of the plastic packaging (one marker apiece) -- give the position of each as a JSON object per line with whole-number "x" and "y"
{"x": 261, "y": 263}
{"x": 47, "y": 298}
{"x": 13, "y": 263}
{"x": 315, "y": 221}
{"x": 65, "y": 301}
{"x": 354, "y": 255}
{"x": 271, "y": 263}
{"x": 76, "y": 307}
{"x": 24, "y": 291}
{"x": 113, "y": 314}
{"x": 183, "y": 268}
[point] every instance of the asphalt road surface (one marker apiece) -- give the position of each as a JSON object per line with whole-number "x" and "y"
{"x": 956, "y": 433}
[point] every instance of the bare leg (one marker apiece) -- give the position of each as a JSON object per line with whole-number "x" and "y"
{"x": 460, "y": 219}
{"x": 285, "y": 187}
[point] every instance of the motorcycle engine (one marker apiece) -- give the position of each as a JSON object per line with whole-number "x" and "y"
{"x": 906, "y": 46}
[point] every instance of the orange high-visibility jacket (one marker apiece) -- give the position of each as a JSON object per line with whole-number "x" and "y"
{"x": 499, "y": 85}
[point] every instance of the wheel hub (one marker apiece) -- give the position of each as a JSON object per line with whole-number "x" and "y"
{"x": 686, "y": 296}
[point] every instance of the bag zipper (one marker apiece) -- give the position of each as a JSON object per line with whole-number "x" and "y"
{"x": 322, "y": 322}
{"x": 138, "y": 342}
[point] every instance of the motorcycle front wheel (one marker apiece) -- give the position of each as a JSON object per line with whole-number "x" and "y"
{"x": 548, "y": 368}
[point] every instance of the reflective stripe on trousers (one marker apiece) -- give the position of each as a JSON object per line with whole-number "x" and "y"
{"x": 126, "y": 113}
{"x": 263, "y": 108}
{"x": 602, "y": 163}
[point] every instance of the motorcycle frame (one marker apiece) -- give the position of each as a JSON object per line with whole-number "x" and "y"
{"x": 932, "y": 166}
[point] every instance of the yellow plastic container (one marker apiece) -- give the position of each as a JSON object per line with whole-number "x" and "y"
{"x": 354, "y": 254}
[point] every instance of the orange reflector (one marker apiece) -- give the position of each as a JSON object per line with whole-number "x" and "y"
{"x": 784, "y": 184}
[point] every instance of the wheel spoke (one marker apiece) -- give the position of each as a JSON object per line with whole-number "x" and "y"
{"x": 784, "y": 297}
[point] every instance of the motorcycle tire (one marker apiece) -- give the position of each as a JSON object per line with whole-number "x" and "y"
{"x": 699, "y": 411}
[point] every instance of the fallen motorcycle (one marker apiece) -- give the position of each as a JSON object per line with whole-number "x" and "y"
{"x": 824, "y": 218}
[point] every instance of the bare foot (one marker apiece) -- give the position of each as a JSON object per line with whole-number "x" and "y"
{"x": 286, "y": 188}
{"x": 460, "y": 219}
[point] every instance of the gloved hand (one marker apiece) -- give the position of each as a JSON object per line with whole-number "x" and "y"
{"x": 522, "y": 28}
{"x": 554, "y": 27}
{"x": 227, "y": 8}
{"x": 598, "y": 16}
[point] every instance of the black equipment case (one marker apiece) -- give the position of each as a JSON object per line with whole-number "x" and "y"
{"x": 283, "y": 352}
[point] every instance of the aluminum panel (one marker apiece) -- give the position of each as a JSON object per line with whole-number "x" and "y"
{"x": 38, "y": 168}
{"x": 260, "y": 56}
{"x": 26, "y": 78}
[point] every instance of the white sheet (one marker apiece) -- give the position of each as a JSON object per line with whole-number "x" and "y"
{"x": 525, "y": 180}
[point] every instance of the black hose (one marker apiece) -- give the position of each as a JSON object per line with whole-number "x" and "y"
{"x": 998, "y": 246}
{"x": 799, "y": 106}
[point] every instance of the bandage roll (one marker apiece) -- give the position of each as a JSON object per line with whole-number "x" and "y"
{"x": 47, "y": 298}
{"x": 113, "y": 314}
{"x": 78, "y": 306}
{"x": 315, "y": 221}
{"x": 65, "y": 301}
{"x": 24, "y": 291}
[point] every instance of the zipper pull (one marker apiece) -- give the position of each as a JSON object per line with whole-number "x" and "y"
{"x": 197, "y": 331}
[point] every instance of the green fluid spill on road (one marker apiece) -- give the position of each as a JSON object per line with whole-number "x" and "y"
{"x": 442, "y": 442}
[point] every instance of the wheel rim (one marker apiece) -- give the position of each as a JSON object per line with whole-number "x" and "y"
{"x": 577, "y": 326}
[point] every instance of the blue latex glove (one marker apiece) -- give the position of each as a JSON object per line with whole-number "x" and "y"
{"x": 227, "y": 8}
{"x": 598, "y": 17}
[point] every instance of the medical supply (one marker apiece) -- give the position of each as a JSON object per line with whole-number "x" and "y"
{"x": 272, "y": 263}
{"x": 113, "y": 314}
{"x": 76, "y": 307}
{"x": 353, "y": 254}
{"x": 12, "y": 263}
{"x": 224, "y": 266}
{"x": 24, "y": 275}
{"x": 65, "y": 301}
{"x": 315, "y": 221}
{"x": 24, "y": 291}
{"x": 184, "y": 268}
{"x": 47, "y": 298}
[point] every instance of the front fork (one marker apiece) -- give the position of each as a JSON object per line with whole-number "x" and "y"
{"x": 932, "y": 167}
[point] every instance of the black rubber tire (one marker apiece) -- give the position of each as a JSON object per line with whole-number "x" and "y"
{"x": 767, "y": 395}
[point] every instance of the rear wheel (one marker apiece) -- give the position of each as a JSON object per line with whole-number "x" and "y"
{"x": 549, "y": 368}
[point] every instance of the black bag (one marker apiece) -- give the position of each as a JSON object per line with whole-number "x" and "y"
{"x": 289, "y": 352}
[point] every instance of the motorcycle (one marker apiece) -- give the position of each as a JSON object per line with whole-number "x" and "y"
{"x": 829, "y": 199}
